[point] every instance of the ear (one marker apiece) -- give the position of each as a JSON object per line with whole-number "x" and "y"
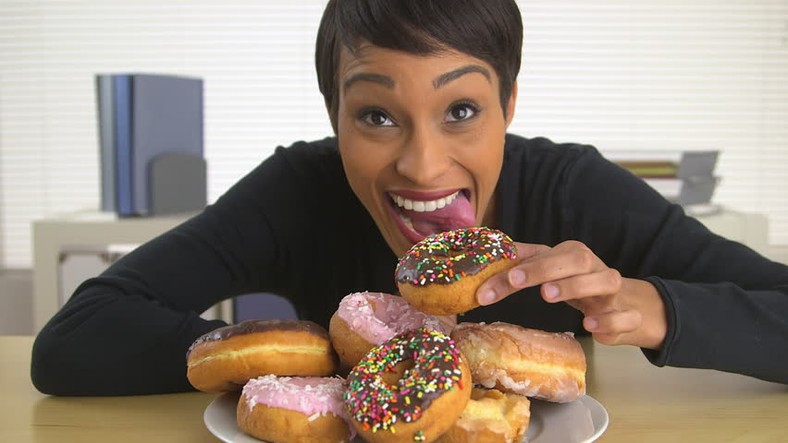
{"x": 510, "y": 106}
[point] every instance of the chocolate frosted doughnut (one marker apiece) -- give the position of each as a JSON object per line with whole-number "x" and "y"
{"x": 226, "y": 358}
{"x": 389, "y": 403}
{"x": 440, "y": 274}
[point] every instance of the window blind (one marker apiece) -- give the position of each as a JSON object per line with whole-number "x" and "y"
{"x": 669, "y": 76}
{"x": 623, "y": 75}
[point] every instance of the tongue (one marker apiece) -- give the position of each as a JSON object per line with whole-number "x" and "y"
{"x": 458, "y": 214}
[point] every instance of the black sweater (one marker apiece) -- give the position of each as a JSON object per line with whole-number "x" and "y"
{"x": 294, "y": 227}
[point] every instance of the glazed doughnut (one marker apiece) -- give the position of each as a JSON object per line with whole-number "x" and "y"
{"x": 367, "y": 319}
{"x": 440, "y": 274}
{"x": 226, "y": 358}
{"x": 411, "y": 388}
{"x": 294, "y": 409}
{"x": 491, "y": 416}
{"x": 546, "y": 365}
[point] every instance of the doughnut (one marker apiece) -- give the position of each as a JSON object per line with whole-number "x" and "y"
{"x": 545, "y": 365}
{"x": 491, "y": 416}
{"x": 411, "y": 388}
{"x": 294, "y": 409}
{"x": 367, "y": 319}
{"x": 225, "y": 359}
{"x": 440, "y": 274}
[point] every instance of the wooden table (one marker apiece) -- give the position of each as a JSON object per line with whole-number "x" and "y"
{"x": 645, "y": 404}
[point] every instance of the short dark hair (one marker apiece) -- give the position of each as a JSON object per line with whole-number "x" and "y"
{"x": 490, "y": 30}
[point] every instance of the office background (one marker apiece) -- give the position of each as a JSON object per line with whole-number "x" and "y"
{"x": 632, "y": 77}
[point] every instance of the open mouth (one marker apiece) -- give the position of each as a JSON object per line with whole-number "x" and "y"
{"x": 420, "y": 217}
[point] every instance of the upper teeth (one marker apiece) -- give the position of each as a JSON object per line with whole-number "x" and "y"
{"x": 424, "y": 206}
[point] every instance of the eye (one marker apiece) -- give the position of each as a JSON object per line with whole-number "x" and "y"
{"x": 461, "y": 111}
{"x": 375, "y": 117}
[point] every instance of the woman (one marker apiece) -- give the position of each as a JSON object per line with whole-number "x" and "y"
{"x": 420, "y": 97}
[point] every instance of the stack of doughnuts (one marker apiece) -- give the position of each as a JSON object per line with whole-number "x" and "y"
{"x": 396, "y": 369}
{"x": 285, "y": 371}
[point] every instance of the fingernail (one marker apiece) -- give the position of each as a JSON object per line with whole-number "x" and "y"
{"x": 550, "y": 291}
{"x": 590, "y": 324}
{"x": 517, "y": 278}
{"x": 487, "y": 297}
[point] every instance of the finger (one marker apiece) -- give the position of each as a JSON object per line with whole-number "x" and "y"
{"x": 503, "y": 284}
{"x": 525, "y": 251}
{"x": 612, "y": 327}
{"x": 605, "y": 282}
{"x": 565, "y": 260}
{"x": 494, "y": 289}
{"x": 528, "y": 250}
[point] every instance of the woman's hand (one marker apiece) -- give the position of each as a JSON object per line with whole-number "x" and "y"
{"x": 616, "y": 310}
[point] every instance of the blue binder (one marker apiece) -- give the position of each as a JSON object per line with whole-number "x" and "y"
{"x": 153, "y": 115}
{"x": 167, "y": 118}
{"x": 123, "y": 145}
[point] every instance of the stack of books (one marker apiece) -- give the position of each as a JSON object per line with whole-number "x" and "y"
{"x": 662, "y": 175}
{"x": 150, "y": 125}
{"x": 688, "y": 181}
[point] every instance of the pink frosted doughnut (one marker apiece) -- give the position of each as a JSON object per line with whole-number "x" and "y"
{"x": 367, "y": 319}
{"x": 294, "y": 409}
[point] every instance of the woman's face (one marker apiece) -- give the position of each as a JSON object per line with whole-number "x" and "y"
{"x": 421, "y": 139}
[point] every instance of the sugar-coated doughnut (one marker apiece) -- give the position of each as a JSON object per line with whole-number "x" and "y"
{"x": 226, "y": 358}
{"x": 294, "y": 409}
{"x": 440, "y": 274}
{"x": 388, "y": 402}
{"x": 367, "y": 319}
{"x": 491, "y": 416}
{"x": 545, "y": 365}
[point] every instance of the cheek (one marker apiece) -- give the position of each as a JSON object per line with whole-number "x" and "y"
{"x": 363, "y": 165}
{"x": 365, "y": 159}
{"x": 484, "y": 154}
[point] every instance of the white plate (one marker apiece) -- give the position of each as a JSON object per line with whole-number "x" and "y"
{"x": 583, "y": 421}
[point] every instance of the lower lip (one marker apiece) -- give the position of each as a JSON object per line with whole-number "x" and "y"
{"x": 410, "y": 235}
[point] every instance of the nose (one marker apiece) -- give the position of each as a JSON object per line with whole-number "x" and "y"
{"x": 424, "y": 157}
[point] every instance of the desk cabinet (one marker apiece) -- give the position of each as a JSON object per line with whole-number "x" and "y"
{"x": 81, "y": 231}
{"x": 748, "y": 228}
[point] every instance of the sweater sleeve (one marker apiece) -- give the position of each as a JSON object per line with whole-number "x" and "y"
{"x": 727, "y": 306}
{"x": 726, "y": 327}
{"x": 127, "y": 331}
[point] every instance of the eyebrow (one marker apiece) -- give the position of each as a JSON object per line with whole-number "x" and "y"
{"x": 459, "y": 72}
{"x": 439, "y": 81}
{"x": 380, "y": 79}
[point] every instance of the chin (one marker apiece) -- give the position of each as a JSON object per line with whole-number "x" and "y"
{"x": 398, "y": 244}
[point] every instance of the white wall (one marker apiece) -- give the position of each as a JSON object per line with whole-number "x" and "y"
{"x": 636, "y": 75}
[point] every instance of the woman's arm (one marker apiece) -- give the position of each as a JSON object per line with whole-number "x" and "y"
{"x": 127, "y": 331}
